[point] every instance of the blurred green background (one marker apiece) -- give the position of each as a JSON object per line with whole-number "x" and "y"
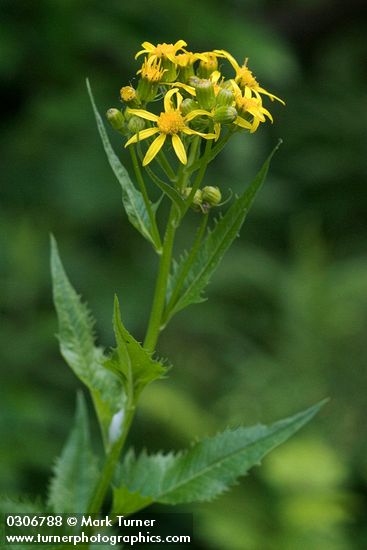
{"x": 287, "y": 312}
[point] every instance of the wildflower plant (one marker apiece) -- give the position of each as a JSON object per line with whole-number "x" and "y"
{"x": 183, "y": 110}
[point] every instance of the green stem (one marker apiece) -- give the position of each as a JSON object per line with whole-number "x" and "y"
{"x": 110, "y": 465}
{"x": 116, "y": 448}
{"x": 147, "y": 202}
{"x": 204, "y": 161}
{"x": 189, "y": 260}
{"x": 154, "y": 325}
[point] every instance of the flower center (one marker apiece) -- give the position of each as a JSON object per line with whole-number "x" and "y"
{"x": 170, "y": 123}
{"x": 243, "y": 104}
{"x": 245, "y": 77}
{"x": 185, "y": 59}
{"x": 162, "y": 50}
{"x": 210, "y": 63}
{"x": 127, "y": 93}
{"x": 152, "y": 70}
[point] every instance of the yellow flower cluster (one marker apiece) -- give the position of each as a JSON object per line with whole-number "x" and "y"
{"x": 198, "y": 100}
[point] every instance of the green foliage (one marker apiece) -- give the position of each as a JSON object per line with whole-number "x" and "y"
{"x": 132, "y": 198}
{"x": 213, "y": 248}
{"x": 21, "y": 505}
{"x": 76, "y": 337}
{"x": 76, "y": 470}
{"x": 130, "y": 360}
{"x": 168, "y": 190}
{"x": 207, "y": 469}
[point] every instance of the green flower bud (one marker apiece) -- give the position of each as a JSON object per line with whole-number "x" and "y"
{"x": 225, "y": 97}
{"x": 225, "y": 115}
{"x": 146, "y": 90}
{"x": 211, "y": 196}
{"x": 197, "y": 201}
{"x": 135, "y": 124}
{"x": 205, "y": 94}
{"x": 188, "y": 105}
{"x": 116, "y": 119}
{"x": 227, "y": 85}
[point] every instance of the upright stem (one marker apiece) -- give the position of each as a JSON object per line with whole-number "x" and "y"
{"x": 199, "y": 178}
{"x": 144, "y": 192}
{"x": 154, "y": 325}
{"x": 110, "y": 466}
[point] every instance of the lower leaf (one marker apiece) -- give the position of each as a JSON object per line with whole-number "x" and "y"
{"x": 208, "y": 468}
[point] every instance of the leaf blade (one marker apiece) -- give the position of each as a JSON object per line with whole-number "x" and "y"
{"x": 130, "y": 359}
{"x": 76, "y": 471}
{"x": 132, "y": 198}
{"x": 77, "y": 345}
{"x": 214, "y": 247}
{"x": 208, "y": 468}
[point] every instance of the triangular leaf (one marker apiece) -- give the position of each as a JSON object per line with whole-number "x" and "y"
{"x": 130, "y": 359}
{"x": 213, "y": 248}
{"x": 132, "y": 198}
{"x": 76, "y": 336}
{"x": 209, "y": 467}
{"x": 76, "y": 471}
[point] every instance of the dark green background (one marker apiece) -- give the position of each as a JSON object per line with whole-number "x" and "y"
{"x": 285, "y": 324}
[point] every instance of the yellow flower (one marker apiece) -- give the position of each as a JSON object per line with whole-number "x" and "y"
{"x": 184, "y": 60}
{"x": 152, "y": 70}
{"x": 245, "y": 79}
{"x": 208, "y": 64}
{"x": 171, "y": 122}
{"x": 162, "y": 51}
{"x": 249, "y": 106}
{"x": 127, "y": 93}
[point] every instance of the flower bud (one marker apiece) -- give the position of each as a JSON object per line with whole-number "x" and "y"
{"x": 188, "y": 105}
{"x": 225, "y": 97}
{"x": 207, "y": 67}
{"x": 135, "y": 124}
{"x": 211, "y": 196}
{"x": 128, "y": 94}
{"x": 116, "y": 119}
{"x": 225, "y": 115}
{"x": 196, "y": 201}
{"x": 204, "y": 93}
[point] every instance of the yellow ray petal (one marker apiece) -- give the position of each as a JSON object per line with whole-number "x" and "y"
{"x": 191, "y": 132}
{"x": 180, "y": 44}
{"x": 179, "y": 149}
{"x": 144, "y": 134}
{"x": 154, "y": 148}
{"x": 272, "y": 96}
{"x": 243, "y": 123}
{"x": 168, "y": 107}
{"x": 266, "y": 112}
{"x": 227, "y": 55}
{"x": 195, "y": 113}
{"x": 188, "y": 89}
{"x": 143, "y": 114}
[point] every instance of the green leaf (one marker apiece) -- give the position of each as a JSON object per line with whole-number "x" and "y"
{"x": 168, "y": 190}
{"x": 132, "y": 199}
{"x": 213, "y": 247}
{"x": 76, "y": 337}
{"x": 130, "y": 502}
{"x": 130, "y": 360}
{"x": 209, "y": 467}
{"x": 76, "y": 471}
{"x": 24, "y": 505}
